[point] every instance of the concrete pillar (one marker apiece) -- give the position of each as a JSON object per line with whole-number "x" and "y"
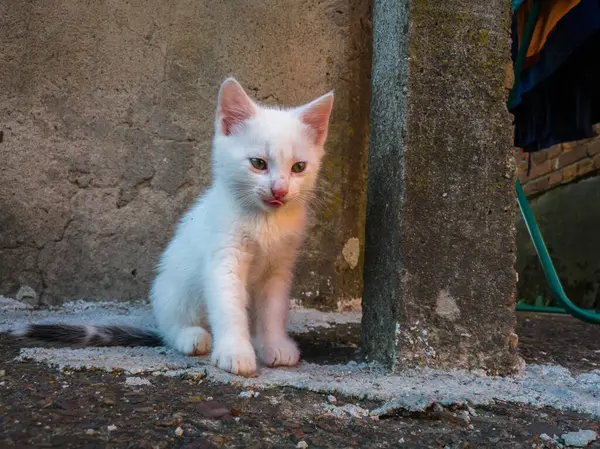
{"x": 440, "y": 242}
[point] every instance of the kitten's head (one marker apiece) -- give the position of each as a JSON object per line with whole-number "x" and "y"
{"x": 268, "y": 157}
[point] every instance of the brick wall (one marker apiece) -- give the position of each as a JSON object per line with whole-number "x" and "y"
{"x": 560, "y": 164}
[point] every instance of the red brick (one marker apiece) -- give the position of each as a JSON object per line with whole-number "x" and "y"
{"x": 521, "y": 155}
{"x": 554, "y": 151}
{"x": 523, "y": 176}
{"x": 570, "y": 157}
{"x": 567, "y": 146}
{"x": 540, "y": 157}
{"x": 569, "y": 173}
{"x": 539, "y": 185}
{"x": 522, "y": 168}
{"x": 554, "y": 178}
{"x": 593, "y": 147}
{"x": 538, "y": 170}
{"x": 584, "y": 167}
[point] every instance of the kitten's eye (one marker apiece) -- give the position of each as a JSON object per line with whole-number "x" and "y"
{"x": 299, "y": 167}
{"x": 258, "y": 163}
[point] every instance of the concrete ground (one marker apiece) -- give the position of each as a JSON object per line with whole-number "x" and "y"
{"x": 104, "y": 397}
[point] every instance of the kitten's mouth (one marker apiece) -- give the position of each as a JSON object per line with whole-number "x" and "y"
{"x": 273, "y": 203}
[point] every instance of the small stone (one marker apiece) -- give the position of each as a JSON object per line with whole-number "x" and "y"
{"x": 137, "y": 381}
{"x": 179, "y": 431}
{"x": 579, "y": 439}
{"x": 248, "y": 394}
{"x": 332, "y": 399}
{"x": 27, "y": 295}
{"x": 108, "y": 401}
{"x": 92, "y": 431}
{"x": 110, "y": 428}
{"x": 212, "y": 410}
{"x": 355, "y": 411}
{"x": 2, "y": 372}
{"x": 302, "y": 444}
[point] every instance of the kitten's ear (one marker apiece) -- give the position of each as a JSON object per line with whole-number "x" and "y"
{"x": 316, "y": 114}
{"x": 234, "y": 107}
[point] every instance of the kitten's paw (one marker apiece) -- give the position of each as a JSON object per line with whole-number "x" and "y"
{"x": 237, "y": 357}
{"x": 193, "y": 341}
{"x": 283, "y": 352}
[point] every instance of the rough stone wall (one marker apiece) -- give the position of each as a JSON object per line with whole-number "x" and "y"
{"x": 559, "y": 165}
{"x": 106, "y": 119}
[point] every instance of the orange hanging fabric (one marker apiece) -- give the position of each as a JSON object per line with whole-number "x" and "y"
{"x": 551, "y": 12}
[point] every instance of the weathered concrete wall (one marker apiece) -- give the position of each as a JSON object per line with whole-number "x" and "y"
{"x": 106, "y": 114}
{"x": 569, "y": 219}
{"x": 440, "y": 250}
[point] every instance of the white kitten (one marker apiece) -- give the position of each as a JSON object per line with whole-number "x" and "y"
{"x": 228, "y": 268}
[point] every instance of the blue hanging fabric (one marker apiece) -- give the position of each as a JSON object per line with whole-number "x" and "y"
{"x": 516, "y": 4}
{"x": 556, "y": 98}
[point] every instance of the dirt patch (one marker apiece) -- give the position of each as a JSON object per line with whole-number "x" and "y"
{"x": 40, "y": 407}
{"x": 559, "y": 340}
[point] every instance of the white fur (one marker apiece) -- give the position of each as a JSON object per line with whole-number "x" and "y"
{"x": 229, "y": 265}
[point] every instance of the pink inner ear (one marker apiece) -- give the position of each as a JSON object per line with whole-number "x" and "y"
{"x": 316, "y": 116}
{"x": 235, "y": 107}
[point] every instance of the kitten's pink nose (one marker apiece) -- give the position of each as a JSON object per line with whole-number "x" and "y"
{"x": 279, "y": 192}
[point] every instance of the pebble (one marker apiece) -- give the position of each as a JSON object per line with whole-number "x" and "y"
{"x": 2, "y": 372}
{"x": 355, "y": 410}
{"x": 179, "y": 431}
{"x": 90, "y": 431}
{"x": 249, "y": 394}
{"x": 137, "y": 381}
{"x": 465, "y": 416}
{"x": 579, "y": 439}
{"x": 332, "y": 399}
{"x": 345, "y": 410}
{"x": 110, "y": 428}
{"x": 302, "y": 444}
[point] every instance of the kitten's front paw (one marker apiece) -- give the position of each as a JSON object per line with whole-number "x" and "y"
{"x": 193, "y": 341}
{"x": 235, "y": 356}
{"x": 283, "y": 352}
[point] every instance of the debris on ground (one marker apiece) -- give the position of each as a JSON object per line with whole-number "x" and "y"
{"x": 332, "y": 399}
{"x": 36, "y": 411}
